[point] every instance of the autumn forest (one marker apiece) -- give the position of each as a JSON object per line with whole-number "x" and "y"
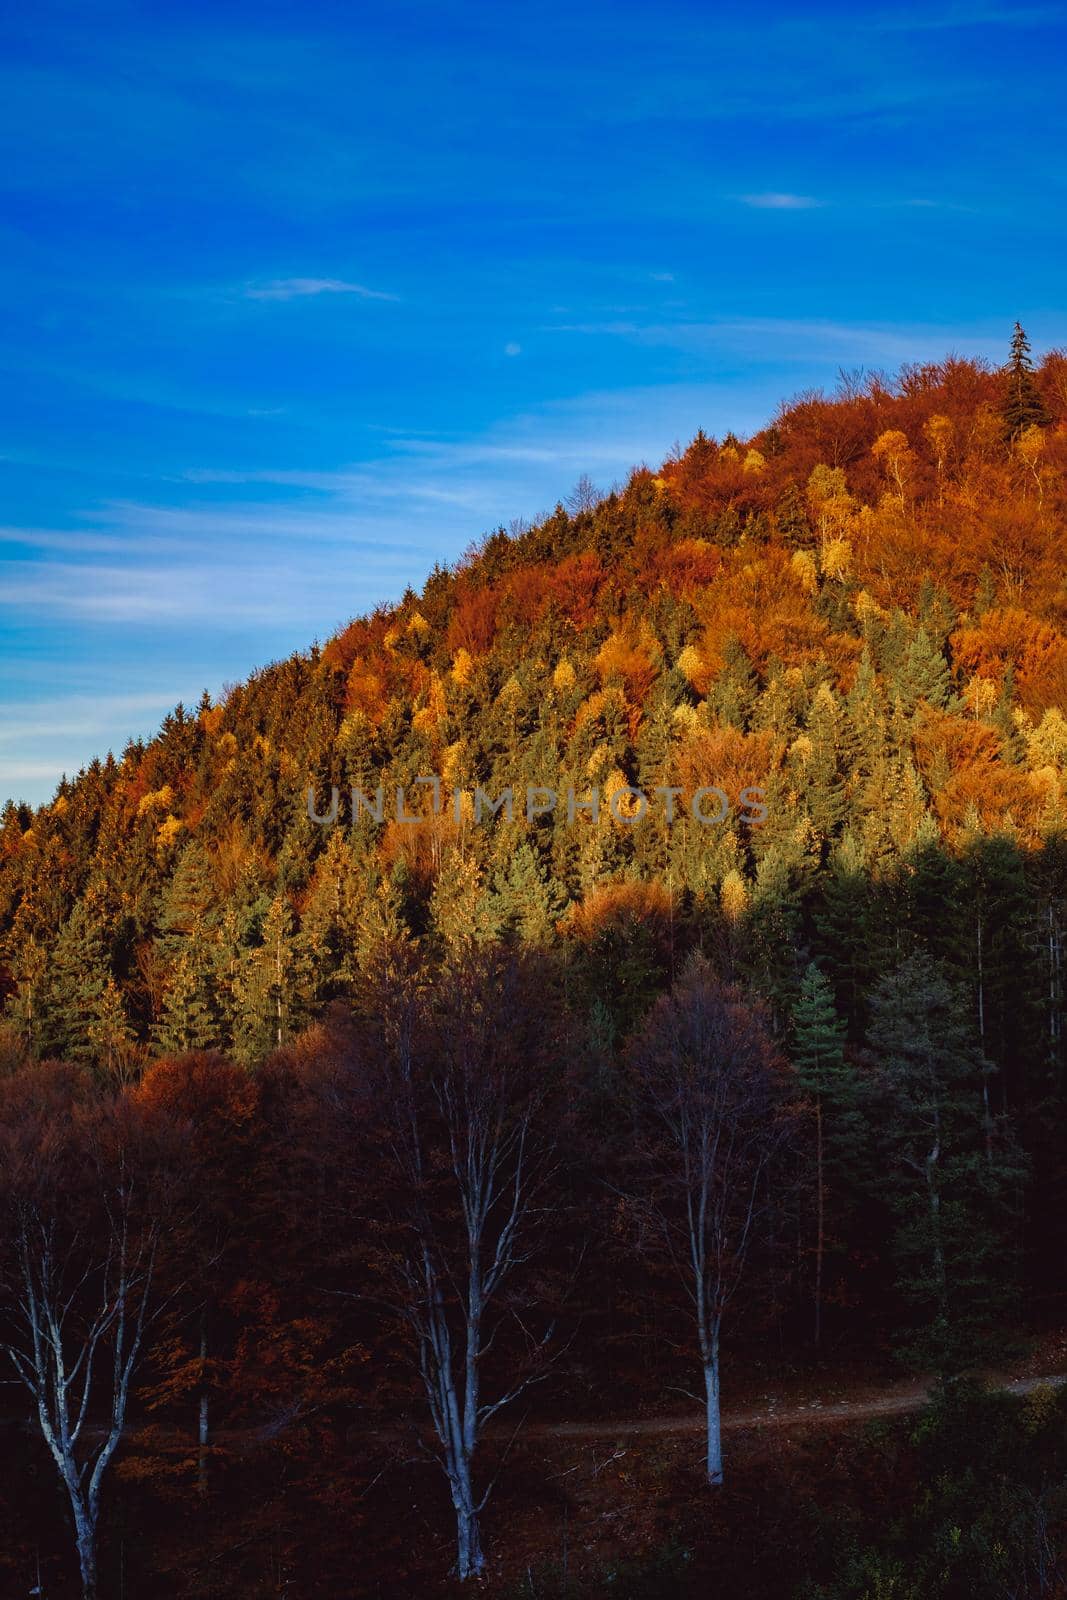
{"x": 492, "y": 1199}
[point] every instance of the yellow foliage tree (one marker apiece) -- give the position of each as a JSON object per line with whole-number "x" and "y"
{"x": 836, "y": 558}
{"x": 564, "y": 677}
{"x": 733, "y": 896}
{"x": 894, "y": 454}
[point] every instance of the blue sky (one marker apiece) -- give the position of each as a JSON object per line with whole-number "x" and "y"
{"x": 300, "y": 299}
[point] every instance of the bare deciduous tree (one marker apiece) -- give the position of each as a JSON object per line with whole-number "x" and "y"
{"x": 469, "y": 1162}
{"x": 83, "y": 1220}
{"x": 712, "y": 1118}
{"x": 585, "y": 496}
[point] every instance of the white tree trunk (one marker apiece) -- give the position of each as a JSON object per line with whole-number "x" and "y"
{"x": 714, "y": 1422}
{"x": 85, "y": 1539}
{"x": 203, "y": 1430}
{"x": 470, "y": 1561}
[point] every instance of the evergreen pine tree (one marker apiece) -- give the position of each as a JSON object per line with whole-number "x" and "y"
{"x": 275, "y": 986}
{"x": 952, "y": 1197}
{"x": 330, "y": 916}
{"x": 1023, "y": 406}
{"x": 924, "y": 674}
{"x": 791, "y": 516}
{"x": 867, "y": 713}
{"x": 830, "y": 735}
{"x": 937, "y": 613}
{"x": 819, "y": 1057}
{"x": 849, "y": 935}
{"x": 992, "y": 958}
{"x": 28, "y": 965}
{"x": 189, "y": 1016}
{"x": 110, "y": 1033}
{"x": 1046, "y": 874}
{"x": 931, "y": 903}
{"x": 380, "y": 920}
{"x": 890, "y": 643}
{"x": 771, "y": 950}
{"x": 733, "y": 694}
{"x": 525, "y": 902}
{"x": 81, "y": 1017}
{"x": 459, "y": 908}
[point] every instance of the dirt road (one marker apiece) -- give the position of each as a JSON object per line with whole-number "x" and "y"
{"x": 890, "y": 1403}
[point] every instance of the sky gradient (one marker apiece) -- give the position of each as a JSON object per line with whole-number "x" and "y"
{"x": 302, "y": 299}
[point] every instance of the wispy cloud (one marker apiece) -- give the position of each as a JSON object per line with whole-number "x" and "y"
{"x": 40, "y": 738}
{"x": 285, "y": 591}
{"x": 302, "y": 288}
{"x": 776, "y": 201}
{"x": 781, "y": 342}
{"x": 199, "y": 590}
{"x": 313, "y": 536}
{"x": 80, "y": 715}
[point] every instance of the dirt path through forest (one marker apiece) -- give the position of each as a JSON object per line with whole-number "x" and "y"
{"x": 891, "y": 1403}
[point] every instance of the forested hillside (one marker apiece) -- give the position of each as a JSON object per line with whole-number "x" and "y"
{"x": 423, "y": 1112}
{"x": 863, "y": 609}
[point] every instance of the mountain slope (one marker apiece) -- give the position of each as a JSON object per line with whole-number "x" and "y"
{"x": 862, "y": 611}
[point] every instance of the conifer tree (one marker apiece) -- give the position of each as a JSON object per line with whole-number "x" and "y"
{"x": 460, "y": 910}
{"x": 849, "y": 936}
{"x": 380, "y": 921}
{"x": 191, "y": 897}
{"x": 1046, "y": 872}
{"x": 525, "y": 902}
{"x": 951, "y": 1197}
{"x": 924, "y": 674}
{"x": 889, "y": 644}
{"x": 819, "y": 1058}
{"x": 331, "y": 916}
{"x": 1023, "y": 406}
{"x": 771, "y": 949}
{"x": 110, "y": 1033}
{"x": 28, "y": 966}
{"x": 791, "y": 516}
{"x": 992, "y": 957}
{"x": 937, "y": 612}
{"x": 930, "y": 902}
{"x": 830, "y": 756}
{"x": 781, "y": 706}
{"x": 81, "y": 1014}
{"x": 189, "y": 1017}
{"x": 734, "y": 692}
{"x": 274, "y": 988}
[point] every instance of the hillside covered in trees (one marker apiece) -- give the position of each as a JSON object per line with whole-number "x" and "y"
{"x": 341, "y": 1155}
{"x": 863, "y": 609}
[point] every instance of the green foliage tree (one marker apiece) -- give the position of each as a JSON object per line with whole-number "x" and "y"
{"x": 275, "y": 986}
{"x": 460, "y": 911}
{"x": 951, "y": 1192}
{"x": 834, "y": 1090}
{"x": 525, "y": 902}
{"x": 1022, "y": 406}
{"x": 734, "y": 692}
{"x": 189, "y": 1017}
{"x": 82, "y": 1017}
